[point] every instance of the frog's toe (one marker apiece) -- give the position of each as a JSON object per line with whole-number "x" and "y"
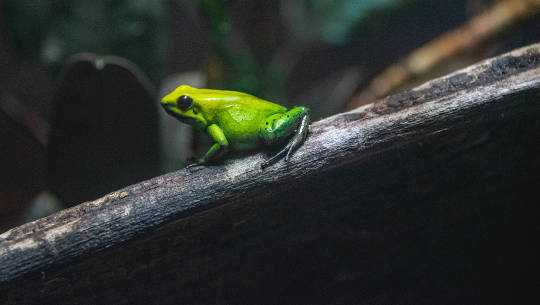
{"x": 193, "y": 162}
{"x": 191, "y": 165}
{"x": 276, "y": 157}
{"x": 194, "y": 167}
{"x": 289, "y": 152}
{"x": 267, "y": 163}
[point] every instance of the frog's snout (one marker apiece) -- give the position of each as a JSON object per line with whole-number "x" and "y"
{"x": 167, "y": 108}
{"x": 163, "y": 101}
{"x": 163, "y": 104}
{"x": 166, "y": 103}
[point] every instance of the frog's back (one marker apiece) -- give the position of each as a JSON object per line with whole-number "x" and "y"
{"x": 240, "y": 118}
{"x": 213, "y": 104}
{"x": 212, "y": 101}
{"x": 238, "y": 114}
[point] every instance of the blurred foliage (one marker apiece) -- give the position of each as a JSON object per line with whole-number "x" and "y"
{"x": 333, "y": 21}
{"x": 310, "y": 22}
{"x": 317, "y": 52}
{"x": 53, "y": 30}
{"x": 245, "y": 72}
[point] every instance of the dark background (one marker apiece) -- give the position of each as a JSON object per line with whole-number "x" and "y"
{"x": 80, "y": 81}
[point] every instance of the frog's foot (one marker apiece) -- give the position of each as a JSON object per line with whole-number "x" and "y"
{"x": 280, "y": 126}
{"x": 193, "y": 163}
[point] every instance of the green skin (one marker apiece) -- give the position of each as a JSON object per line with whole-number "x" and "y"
{"x": 236, "y": 120}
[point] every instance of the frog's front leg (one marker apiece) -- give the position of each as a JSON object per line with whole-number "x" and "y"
{"x": 220, "y": 146}
{"x": 279, "y": 126}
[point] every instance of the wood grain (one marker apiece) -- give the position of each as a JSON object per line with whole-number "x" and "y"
{"x": 422, "y": 197}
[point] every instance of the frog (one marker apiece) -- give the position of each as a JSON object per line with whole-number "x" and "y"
{"x": 238, "y": 121}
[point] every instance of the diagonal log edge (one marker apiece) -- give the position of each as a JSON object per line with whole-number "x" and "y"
{"x": 340, "y": 140}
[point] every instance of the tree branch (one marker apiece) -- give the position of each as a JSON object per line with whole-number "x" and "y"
{"x": 374, "y": 195}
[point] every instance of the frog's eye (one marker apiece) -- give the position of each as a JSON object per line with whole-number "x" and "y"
{"x": 184, "y": 102}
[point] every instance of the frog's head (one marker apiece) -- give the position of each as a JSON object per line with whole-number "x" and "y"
{"x": 183, "y": 104}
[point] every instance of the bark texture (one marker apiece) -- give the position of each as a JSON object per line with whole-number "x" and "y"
{"x": 426, "y": 197}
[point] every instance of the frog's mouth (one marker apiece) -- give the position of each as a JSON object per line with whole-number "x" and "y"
{"x": 181, "y": 118}
{"x": 169, "y": 111}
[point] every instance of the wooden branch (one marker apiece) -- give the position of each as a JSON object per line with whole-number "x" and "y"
{"x": 404, "y": 199}
{"x": 467, "y": 37}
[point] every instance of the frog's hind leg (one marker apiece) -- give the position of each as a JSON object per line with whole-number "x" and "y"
{"x": 279, "y": 126}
